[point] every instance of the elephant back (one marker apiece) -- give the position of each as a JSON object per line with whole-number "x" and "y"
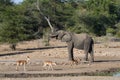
{"x": 79, "y": 39}
{"x": 81, "y": 36}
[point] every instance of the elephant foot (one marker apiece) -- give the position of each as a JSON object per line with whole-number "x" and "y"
{"x": 92, "y": 60}
{"x": 85, "y": 59}
{"x": 71, "y": 59}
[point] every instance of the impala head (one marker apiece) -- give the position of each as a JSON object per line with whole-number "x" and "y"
{"x": 28, "y": 58}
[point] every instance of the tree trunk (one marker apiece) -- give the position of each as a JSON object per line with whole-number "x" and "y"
{"x": 13, "y": 46}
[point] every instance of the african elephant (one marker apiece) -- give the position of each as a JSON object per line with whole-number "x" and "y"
{"x": 79, "y": 41}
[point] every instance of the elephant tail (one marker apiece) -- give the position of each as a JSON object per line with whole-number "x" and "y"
{"x": 92, "y": 42}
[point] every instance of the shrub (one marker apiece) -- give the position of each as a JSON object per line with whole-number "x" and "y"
{"x": 110, "y": 31}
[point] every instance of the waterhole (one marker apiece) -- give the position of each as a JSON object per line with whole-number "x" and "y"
{"x": 117, "y": 74}
{"x": 110, "y": 72}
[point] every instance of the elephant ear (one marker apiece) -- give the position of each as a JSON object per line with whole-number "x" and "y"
{"x": 60, "y": 34}
{"x": 67, "y": 37}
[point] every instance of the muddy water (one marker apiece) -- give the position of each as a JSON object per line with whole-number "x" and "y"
{"x": 117, "y": 74}
{"x": 28, "y": 75}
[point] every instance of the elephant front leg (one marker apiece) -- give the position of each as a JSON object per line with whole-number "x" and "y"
{"x": 70, "y": 53}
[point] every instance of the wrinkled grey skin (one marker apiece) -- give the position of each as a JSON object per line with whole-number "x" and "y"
{"x": 79, "y": 41}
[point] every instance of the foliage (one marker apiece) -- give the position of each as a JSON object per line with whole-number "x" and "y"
{"x": 98, "y": 16}
{"x": 118, "y": 29}
{"x": 110, "y": 31}
{"x": 20, "y": 22}
{"x": 17, "y": 23}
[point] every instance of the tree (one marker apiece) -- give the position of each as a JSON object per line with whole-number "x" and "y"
{"x": 17, "y": 23}
{"x": 99, "y": 15}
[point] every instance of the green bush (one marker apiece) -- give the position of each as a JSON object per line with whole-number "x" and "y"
{"x": 118, "y": 29}
{"x": 111, "y": 31}
{"x": 118, "y": 34}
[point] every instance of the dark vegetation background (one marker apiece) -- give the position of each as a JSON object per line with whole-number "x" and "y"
{"x": 19, "y": 22}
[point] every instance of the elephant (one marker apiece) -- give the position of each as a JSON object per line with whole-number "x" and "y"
{"x": 79, "y": 41}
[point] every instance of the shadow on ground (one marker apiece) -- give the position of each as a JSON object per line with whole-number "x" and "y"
{"x": 47, "y": 47}
{"x": 15, "y": 53}
{"x": 100, "y": 61}
{"x": 29, "y": 50}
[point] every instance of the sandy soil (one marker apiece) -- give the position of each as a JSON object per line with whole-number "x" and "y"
{"x": 66, "y": 78}
{"x": 107, "y": 56}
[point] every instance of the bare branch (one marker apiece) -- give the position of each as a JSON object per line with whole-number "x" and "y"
{"x": 52, "y": 29}
{"x": 47, "y": 19}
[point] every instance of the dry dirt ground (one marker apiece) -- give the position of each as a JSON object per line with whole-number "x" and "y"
{"x": 107, "y": 56}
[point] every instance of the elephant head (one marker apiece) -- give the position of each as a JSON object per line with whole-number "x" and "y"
{"x": 62, "y": 35}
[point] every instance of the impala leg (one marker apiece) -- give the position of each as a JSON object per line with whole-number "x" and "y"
{"x": 24, "y": 68}
{"x": 51, "y": 67}
{"x": 17, "y": 66}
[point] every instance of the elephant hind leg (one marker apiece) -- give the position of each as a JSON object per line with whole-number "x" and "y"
{"x": 88, "y": 48}
{"x": 92, "y": 56}
{"x": 91, "y": 52}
